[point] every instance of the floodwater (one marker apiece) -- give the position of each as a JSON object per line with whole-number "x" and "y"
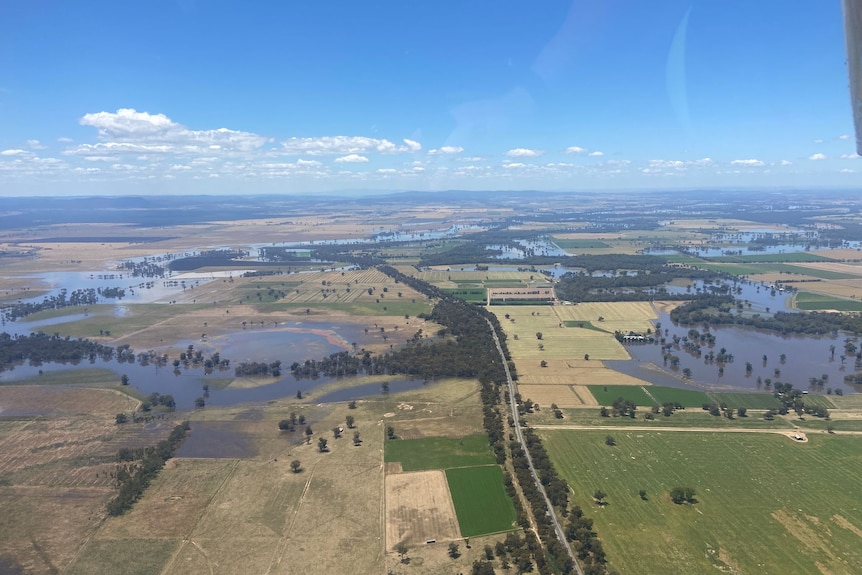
{"x": 805, "y": 357}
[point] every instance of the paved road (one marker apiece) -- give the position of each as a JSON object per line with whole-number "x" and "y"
{"x": 557, "y": 527}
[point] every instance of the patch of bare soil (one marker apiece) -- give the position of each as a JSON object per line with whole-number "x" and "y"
{"x": 419, "y": 508}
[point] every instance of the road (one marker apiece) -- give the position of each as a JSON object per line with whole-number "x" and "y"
{"x": 557, "y": 527}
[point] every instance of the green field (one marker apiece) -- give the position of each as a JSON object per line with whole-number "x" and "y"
{"x": 468, "y": 294}
{"x": 685, "y": 397}
{"x": 439, "y": 452}
{"x": 746, "y": 400}
{"x": 481, "y": 503}
{"x": 815, "y": 301}
{"x": 802, "y": 270}
{"x": 607, "y": 394}
{"x": 764, "y": 503}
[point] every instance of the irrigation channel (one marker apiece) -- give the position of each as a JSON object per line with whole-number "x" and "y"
{"x": 557, "y": 527}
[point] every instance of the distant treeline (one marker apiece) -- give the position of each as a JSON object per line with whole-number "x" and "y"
{"x": 632, "y": 287}
{"x": 718, "y": 310}
{"x": 38, "y": 348}
{"x": 64, "y": 299}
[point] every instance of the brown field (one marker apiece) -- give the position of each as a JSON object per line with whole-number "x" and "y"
{"x": 839, "y": 288}
{"x": 841, "y": 254}
{"x": 832, "y": 267}
{"x": 622, "y": 316}
{"x": 418, "y": 508}
{"x": 557, "y": 342}
{"x": 575, "y": 373}
{"x": 50, "y": 400}
{"x": 561, "y": 394}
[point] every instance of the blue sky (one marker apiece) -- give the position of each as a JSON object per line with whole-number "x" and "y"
{"x": 200, "y": 96}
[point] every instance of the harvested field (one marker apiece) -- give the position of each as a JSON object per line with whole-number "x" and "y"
{"x": 27, "y": 400}
{"x": 562, "y": 395}
{"x": 837, "y": 288}
{"x": 566, "y": 372}
{"x": 557, "y": 342}
{"x": 137, "y": 556}
{"x": 622, "y": 316}
{"x": 419, "y": 508}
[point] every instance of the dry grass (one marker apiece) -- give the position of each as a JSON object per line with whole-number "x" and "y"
{"x": 418, "y": 508}
{"x": 841, "y": 254}
{"x": 839, "y": 288}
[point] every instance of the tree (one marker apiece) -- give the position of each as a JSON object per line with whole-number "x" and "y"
{"x": 356, "y": 439}
{"x": 390, "y": 432}
{"x": 308, "y": 433}
{"x": 298, "y": 394}
{"x": 199, "y": 402}
{"x": 384, "y": 387}
{"x": 741, "y": 411}
{"x": 336, "y": 432}
{"x": 680, "y": 495}
{"x": 351, "y": 405}
{"x": 604, "y": 412}
{"x": 296, "y": 466}
{"x": 642, "y": 494}
{"x": 538, "y": 335}
{"x": 321, "y": 445}
{"x": 609, "y": 440}
{"x": 285, "y": 425}
{"x": 350, "y": 421}
{"x": 599, "y": 496}
{"x": 121, "y": 418}
{"x": 587, "y": 357}
{"x": 489, "y": 553}
{"x": 124, "y": 380}
{"x": 454, "y": 553}
{"x": 401, "y": 549}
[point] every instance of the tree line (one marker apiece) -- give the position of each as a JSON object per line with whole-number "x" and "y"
{"x": 132, "y": 479}
{"x": 717, "y": 310}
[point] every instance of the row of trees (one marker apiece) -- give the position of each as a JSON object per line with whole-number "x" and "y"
{"x": 38, "y": 348}
{"x": 78, "y": 297}
{"x": 133, "y": 478}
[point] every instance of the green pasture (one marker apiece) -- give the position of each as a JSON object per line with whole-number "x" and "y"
{"x": 481, "y": 503}
{"x": 815, "y": 301}
{"x": 439, "y": 452}
{"x": 765, "y": 504}
{"x": 607, "y": 394}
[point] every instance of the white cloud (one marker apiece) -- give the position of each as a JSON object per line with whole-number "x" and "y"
{"x": 752, "y": 163}
{"x": 308, "y": 163}
{"x": 596, "y": 154}
{"x": 387, "y": 171}
{"x": 817, "y": 156}
{"x": 514, "y": 165}
{"x": 65, "y": 140}
{"x": 35, "y": 145}
{"x": 575, "y": 150}
{"x": 413, "y": 145}
{"x": 785, "y": 163}
{"x": 847, "y": 171}
{"x": 850, "y": 156}
{"x": 129, "y": 126}
{"x": 677, "y": 164}
{"x": 844, "y": 137}
{"x": 446, "y": 150}
{"x": 332, "y": 145}
{"x": 524, "y": 153}
{"x": 472, "y": 159}
{"x": 15, "y": 152}
{"x": 818, "y": 141}
{"x": 351, "y": 158}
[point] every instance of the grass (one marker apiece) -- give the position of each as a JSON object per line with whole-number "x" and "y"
{"x": 607, "y": 394}
{"x": 468, "y": 294}
{"x": 86, "y": 376}
{"x": 814, "y": 301}
{"x": 481, "y": 503}
{"x": 692, "y": 417}
{"x": 137, "y": 556}
{"x": 746, "y": 400}
{"x": 439, "y": 452}
{"x": 583, "y": 325}
{"x": 765, "y": 504}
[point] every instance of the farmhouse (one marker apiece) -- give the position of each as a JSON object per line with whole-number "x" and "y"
{"x": 537, "y": 293}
